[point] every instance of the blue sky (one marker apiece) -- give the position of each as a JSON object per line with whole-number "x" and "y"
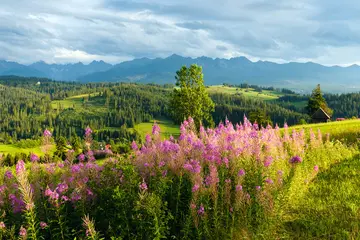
{"x": 323, "y": 31}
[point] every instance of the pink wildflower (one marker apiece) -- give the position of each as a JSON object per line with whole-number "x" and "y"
{"x": 195, "y": 188}
{"x": 201, "y": 210}
{"x": 75, "y": 196}
{"x": 148, "y": 139}
{"x": 34, "y": 157}
{"x": 193, "y": 166}
{"x": 9, "y": 174}
{"x": 226, "y": 162}
{"x": 65, "y": 199}
{"x": 43, "y": 225}
{"x": 81, "y": 157}
{"x": 295, "y": 159}
{"x": 156, "y": 129}
{"x": 316, "y": 168}
{"x": 134, "y": 146}
{"x": 89, "y": 192}
{"x": 20, "y": 167}
{"x": 238, "y": 188}
{"x": 143, "y": 186}
{"x": 22, "y": 231}
{"x": 269, "y": 181}
{"x": 241, "y": 172}
{"x": 47, "y": 133}
{"x": 88, "y": 131}
{"x": 62, "y": 188}
{"x": 268, "y": 161}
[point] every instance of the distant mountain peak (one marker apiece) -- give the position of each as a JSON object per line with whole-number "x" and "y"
{"x": 354, "y": 66}
{"x": 174, "y": 56}
{"x": 236, "y": 70}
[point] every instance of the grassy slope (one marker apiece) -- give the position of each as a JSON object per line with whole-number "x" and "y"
{"x": 72, "y": 102}
{"x": 345, "y": 131}
{"x": 265, "y": 95}
{"x": 331, "y": 205}
{"x": 167, "y": 128}
{"x": 8, "y": 148}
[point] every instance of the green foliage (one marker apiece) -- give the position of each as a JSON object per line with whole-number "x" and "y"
{"x": 61, "y": 147}
{"x": 234, "y": 107}
{"x": 191, "y": 98}
{"x": 75, "y": 143}
{"x": 317, "y": 101}
{"x": 260, "y": 117}
{"x": 302, "y": 122}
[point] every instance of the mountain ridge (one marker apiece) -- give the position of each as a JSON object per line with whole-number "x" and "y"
{"x": 236, "y": 70}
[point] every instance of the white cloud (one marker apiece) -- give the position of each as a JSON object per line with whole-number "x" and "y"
{"x": 67, "y": 55}
{"x": 117, "y": 30}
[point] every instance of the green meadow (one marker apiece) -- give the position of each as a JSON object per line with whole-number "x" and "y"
{"x": 264, "y": 95}
{"x": 167, "y": 128}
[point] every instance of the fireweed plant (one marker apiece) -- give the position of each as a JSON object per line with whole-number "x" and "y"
{"x": 231, "y": 182}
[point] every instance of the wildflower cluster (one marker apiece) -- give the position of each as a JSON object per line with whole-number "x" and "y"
{"x": 229, "y": 182}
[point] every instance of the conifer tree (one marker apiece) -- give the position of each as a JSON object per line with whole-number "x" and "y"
{"x": 317, "y": 101}
{"x": 61, "y": 148}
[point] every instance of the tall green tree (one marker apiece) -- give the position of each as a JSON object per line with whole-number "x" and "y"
{"x": 61, "y": 147}
{"x": 190, "y": 98}
{"x": 260, "y": 117}
{"x": 317, "y": 101}
{"x": 75, "y": 143}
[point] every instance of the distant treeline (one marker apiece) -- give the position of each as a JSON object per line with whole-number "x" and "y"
{"x": 344, "y": 105}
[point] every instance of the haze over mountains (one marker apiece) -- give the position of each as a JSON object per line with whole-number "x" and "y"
{"x": 296, "y": 76}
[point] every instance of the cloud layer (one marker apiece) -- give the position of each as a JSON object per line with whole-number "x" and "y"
{"x": 323, "y": 31}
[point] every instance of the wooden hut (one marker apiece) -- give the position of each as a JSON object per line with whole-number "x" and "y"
{"x": 320, "y": 116}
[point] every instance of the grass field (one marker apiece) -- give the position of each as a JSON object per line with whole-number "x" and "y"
{"x": 265, "y": 95}
{"x": 330, "y": 209}
{"x": 346, "y": 131}
{"x": 167, "y": 128}
{"x": 71, "y": 102}
{"x": 8, "y": 148}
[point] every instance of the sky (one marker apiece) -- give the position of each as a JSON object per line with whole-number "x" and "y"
{"x": 68, "y": 31}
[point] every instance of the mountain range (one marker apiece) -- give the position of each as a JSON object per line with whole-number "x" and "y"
{"x": 295, "y": 76}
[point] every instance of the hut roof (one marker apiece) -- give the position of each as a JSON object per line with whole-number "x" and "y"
{"x": 320, "y": 114}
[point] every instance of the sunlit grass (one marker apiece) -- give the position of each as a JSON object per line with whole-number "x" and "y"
{"x": 346, "y": 131}
{"x": 330, "y": 209}
{"x": 168, "y": 128}
{"x": 265, "y": 95}
{"x": 12, "y": 149}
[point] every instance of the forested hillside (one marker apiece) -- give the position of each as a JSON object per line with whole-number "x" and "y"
{"x": 29, "y": 105}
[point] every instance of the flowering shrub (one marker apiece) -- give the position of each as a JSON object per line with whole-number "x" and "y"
{"x": 230, "y": 182}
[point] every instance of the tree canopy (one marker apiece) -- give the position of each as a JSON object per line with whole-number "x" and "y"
{"x": 190, "y": 98}
{"x": 317, "y": 101}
